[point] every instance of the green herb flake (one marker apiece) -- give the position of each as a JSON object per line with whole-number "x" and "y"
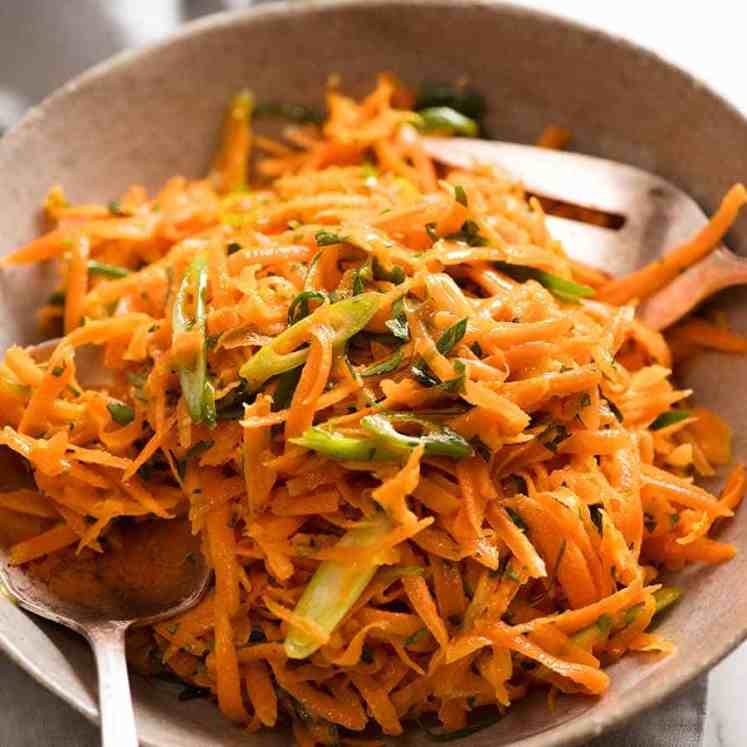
{"x": 397, "y": 324}
{"x": 516, "y": 518}
{"x": 604, "y": 623}
{"x": 415, "y": 637}
{"x": 116, "y": 209}
{"x": 392, "y": 363}
{"x": 460, "y": 195}
{"x": 394, "y": 275}
{"x": 552, "y": 436}
{"x": 57, "y": 371}
{"x": 421, "y": 372}
{"x": 451, "y": 337}
{"x": 446, "y": 343}
{"x": 470, "y": 234}
{"x": 196, "y": 449}
{"x": 300, "y": 306}
{"x": 121, "y": 413}
{"x": 456, "y": 385}
{"x": 670, "y": 418}
{"x": 108, "y": 271}
{"x": 363, "y": 275}
{"x": 327, "y": 238}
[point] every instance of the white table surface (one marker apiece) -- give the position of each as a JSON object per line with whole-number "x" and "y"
{"x": 704, "y": 38}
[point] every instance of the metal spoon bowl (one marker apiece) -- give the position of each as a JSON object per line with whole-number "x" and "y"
{"x": 154, "y": 570}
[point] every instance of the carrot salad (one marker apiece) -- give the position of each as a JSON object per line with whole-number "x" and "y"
{"x": 433, "y": 462}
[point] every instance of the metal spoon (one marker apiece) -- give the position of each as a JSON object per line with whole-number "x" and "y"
{"x": 113, "y": 601}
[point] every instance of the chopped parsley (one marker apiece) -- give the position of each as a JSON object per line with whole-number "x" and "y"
{"x": 460, "y": 195}
{"x": 328, "y": 238}
{"x": 121, "y": 413}
{"x": 670, "y": 418}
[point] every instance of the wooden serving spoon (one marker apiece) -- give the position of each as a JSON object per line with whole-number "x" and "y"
{"x": 655, "y": 216}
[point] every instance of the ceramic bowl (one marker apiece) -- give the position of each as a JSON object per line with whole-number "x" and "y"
{"x": 147, "y": 115}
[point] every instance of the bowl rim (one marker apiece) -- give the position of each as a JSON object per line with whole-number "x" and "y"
{"x": 566, "y": 734}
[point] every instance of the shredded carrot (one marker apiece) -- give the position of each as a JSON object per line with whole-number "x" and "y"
{"x": 312, "y": 383}
{"x": 261, "y": 692}
{"x": 554, "y": 138}
{"x": 222, "y": 553}
{"x": 43, "y": 544}
{"x": 26, "y": 501}
{"x": 642, "y": 283}
{"x": 45, "y": 247}
{"x": 422, "y": 601}
{"x": 258, "y": 476}
{"x": 516, "y": 540}
{"x": 403, "y": 430}
{"x": 230, "y": 168}
{"x": 77, "y": 282}
{"x": 701, "y": 334}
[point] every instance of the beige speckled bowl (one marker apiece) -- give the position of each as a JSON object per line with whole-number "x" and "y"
{"x": 145, "y": 116}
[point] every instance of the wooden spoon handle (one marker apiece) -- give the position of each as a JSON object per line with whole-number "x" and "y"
{"x": 115, "y": 701}
{"x": 718, "y": 270}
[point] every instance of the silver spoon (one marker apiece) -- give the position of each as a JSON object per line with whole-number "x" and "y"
{"x": 111, "y": 602}
{"x": 657, "y": 216}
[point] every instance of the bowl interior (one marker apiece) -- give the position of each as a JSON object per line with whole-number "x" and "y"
{"x": 153, "y": 114}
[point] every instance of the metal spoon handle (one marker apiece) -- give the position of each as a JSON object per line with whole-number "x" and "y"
{"x": 115, "y": 700}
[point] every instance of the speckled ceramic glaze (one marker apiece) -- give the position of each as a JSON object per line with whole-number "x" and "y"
{"x": 145, "y": 116}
